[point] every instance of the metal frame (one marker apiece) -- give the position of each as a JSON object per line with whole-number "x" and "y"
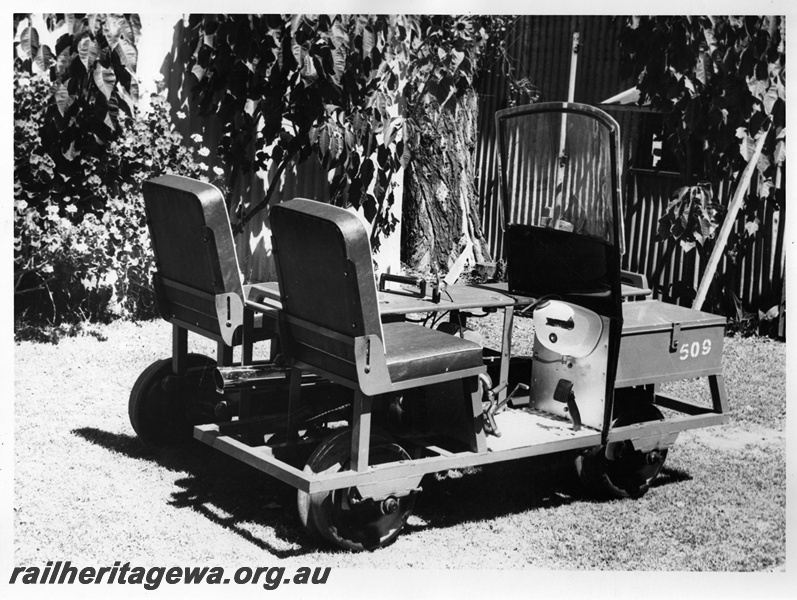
{"x": 221, "y": 436}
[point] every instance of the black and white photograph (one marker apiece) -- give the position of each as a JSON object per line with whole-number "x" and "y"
{"x": 347, "y": 300}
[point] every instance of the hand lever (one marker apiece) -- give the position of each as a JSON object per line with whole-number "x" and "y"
{"x": 493, "y": 408}
{"x": 564, "y": 394}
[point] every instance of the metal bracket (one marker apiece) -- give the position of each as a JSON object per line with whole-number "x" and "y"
{"x": 397, "y": 488}
{"x": 356, "y": 496}
{"x": 230, "y": 312}
{"x": 654, "y": 442}
{"x": 674, "y": 337}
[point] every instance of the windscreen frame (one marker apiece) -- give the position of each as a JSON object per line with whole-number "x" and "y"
{"x": 614, "y": 155}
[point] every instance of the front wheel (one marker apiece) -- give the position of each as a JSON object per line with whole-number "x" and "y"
{"x": 617, "y": 470}
{"x": 340, "y": 516}
{"x": 163, "y": 412}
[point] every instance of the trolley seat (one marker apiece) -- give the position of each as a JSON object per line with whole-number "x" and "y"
{"x": 330, "y": 325}
{"x": 198, "y": 283}
{"x": 328, "y": 292}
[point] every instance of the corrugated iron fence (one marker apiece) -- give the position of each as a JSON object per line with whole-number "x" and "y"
{"x": 540, "y": 48}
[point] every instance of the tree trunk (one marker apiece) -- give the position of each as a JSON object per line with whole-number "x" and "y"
{"x": 441, "y": 213}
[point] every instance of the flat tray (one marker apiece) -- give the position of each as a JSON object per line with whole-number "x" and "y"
{"x": 627, "y": 291}
{"x": 398, "y": 302}
{"x": 527, "y": 427}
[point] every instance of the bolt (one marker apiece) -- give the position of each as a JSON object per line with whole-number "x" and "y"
{"x": 389, "y": 505}
{"x": 653, "y": 457}
{"x": 222, "y": 411}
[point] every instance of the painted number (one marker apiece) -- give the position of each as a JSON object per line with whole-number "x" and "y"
{"x": 695, "y": 349}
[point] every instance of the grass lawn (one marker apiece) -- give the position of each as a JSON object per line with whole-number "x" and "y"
{"x": 86, "y": 491}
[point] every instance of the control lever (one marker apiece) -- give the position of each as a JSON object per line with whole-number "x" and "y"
{"x": 564, "y": 394}
{"x": 418, "y": 282}
{"x": 436, "y": 286}
{"x": 494, "y": 407}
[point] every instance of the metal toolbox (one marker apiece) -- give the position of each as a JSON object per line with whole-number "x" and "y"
{"x": 663, "y": 342}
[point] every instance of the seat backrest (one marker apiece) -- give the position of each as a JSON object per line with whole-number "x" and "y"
{"x": 194, "y": 249}
{"x": 326, "y": 279}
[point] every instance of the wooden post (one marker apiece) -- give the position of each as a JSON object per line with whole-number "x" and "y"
{"x": 179, "y": 350}
{"x": 563, "y": 156}
{"x": 361, "y": 432}
{"x": 727, "y": 225}
{"x": 571, "y": 91}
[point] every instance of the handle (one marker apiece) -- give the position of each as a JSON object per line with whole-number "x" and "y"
{"x": 569, "y": 324}
{"x": 418, "y": 282}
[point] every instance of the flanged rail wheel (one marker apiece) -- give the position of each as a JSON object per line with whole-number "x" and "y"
{"x": 340, "y": 516}
{"x": 165, "y": 418}
{"x": 617, "y": 470}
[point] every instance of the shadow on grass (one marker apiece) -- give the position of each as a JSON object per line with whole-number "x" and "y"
{"x": 512, "y": 487}
{"x": 668, "y": 476}
{"x": 240, "y": 499}
{"x": 227, "y": 492}
{"x": 485, "y": 493}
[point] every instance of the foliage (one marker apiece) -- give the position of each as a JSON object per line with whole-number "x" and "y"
{"x": 40, "y": 333}
{"x": 89, "y": 62}
{"x": 691, "y": 216}
{"x": 287, "y": 86}
{"x": 719, "y": 82}
{"x": 70, "y": 266}
{"x": 82, "y": 152}
{"x": 284, "y": 87}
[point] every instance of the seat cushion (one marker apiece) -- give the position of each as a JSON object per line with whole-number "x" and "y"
{"x": 414, "y": 351}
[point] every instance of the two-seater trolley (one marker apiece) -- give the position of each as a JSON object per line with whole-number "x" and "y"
{"x": 359, "y": 400}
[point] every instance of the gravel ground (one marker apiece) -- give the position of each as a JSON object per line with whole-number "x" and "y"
{"x": 86, "y": 491}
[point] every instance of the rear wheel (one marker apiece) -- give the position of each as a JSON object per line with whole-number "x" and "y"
{"x": 341, "y": 516}
{"x": 617, "y": 470}
{"x": 163, "y": 410}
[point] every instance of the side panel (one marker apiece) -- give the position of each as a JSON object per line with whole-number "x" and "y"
{"x": 587, "y": 374}
{"x": 656, "y": 356}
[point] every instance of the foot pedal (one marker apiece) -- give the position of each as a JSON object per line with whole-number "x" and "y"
{"x": 564, "y": 394}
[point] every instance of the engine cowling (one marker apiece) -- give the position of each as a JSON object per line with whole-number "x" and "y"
{"x": 567, "y": 329}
